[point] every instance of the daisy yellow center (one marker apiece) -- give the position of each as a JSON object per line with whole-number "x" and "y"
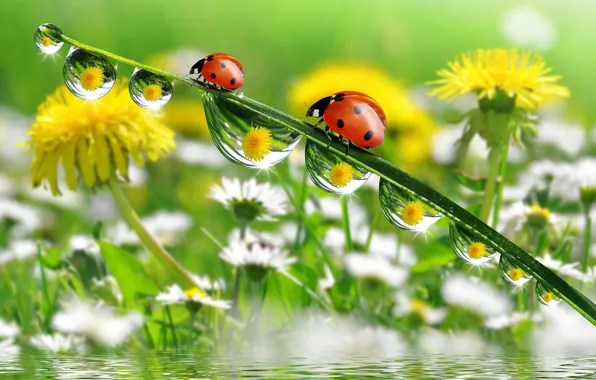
{"x": 516, "y": 274}
{"x": 418, "y": 306}
{"x": 413, "y": 213}
{"x": 191, "y": 293}
{"x": 519, "y": 75}
{"x": 46, "y": 41}
{"x": 257, "y": 143}
{"x": 476, "y": 250}
{"x": 152, "y": 92}
{"x": 547, "y": 297}
{"x": 341, "y": 174}
{"x": 92, "y": 78}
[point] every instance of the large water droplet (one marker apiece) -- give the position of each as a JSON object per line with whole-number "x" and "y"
{"x": 331, "y": 172}
{"x": 149, "y": 90}
{"x": 468, "y": 246}
{"x": 405, "y": 210}
{"x": 545, "y": 295}
{"x": 45, "y": 41}
{"x": 246, "y": 137}
{"x": 88, "y": 75}
{"x": 512, "y": 272}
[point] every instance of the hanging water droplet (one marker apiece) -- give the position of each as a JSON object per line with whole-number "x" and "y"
{"x": 512, "y": 272}
{"x": 331, "y": 172}
{"x": 405, "y": 210}
{"x": 45, "y": 40}
{"x": 468, "y": 246}
{"x": 149, "y": 90}
{"x": 246, "y": 137}
{"x": 545, "y": 295}
{"x": 88, "y": 75}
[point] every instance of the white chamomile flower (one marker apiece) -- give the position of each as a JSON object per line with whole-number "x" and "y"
{"x": 250, "y": 200}
{"x": 84, "y": 243}
{"x": 507, "y": 320}
{"x": 199, "y": 153}
{"x": 517, "y": 215}
{"x": 375, "y": 268}
{"x": 58, "y": 343}
{"x": 404, "y": 305}
{"x": 475, "y": 295}
{"x": 564, "y": 269}
{"x": 24, "y": 215}
{"x": 568, "y": 138}
{"x": 8, "y": 330}
{"x": 98, "y": 323}
{"x": 167, "y": 227}
{"x": 205, "y": 283}
{"x": 175, "y": 295}
{"x": 19, "y": 250}
{"x": 526, "y": 27}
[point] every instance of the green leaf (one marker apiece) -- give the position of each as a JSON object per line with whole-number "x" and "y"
{"x": 437, "y": 254}
{"x": 52, "y": 258}
{"x": 472, "y": 183}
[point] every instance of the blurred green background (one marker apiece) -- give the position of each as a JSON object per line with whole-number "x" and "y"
{"x": 279, "y": 41}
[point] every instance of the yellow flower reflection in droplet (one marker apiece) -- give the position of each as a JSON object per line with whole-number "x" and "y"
{"x": 92, "y": 78}
{"x": 413, "y": 213}
{"x": 341, "y": 174}
{"x": 257, "y": 143}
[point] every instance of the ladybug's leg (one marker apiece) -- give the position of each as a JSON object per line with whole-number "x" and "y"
{"x": 313, "y": 127}
{"x": 327, "y": 131}
{"x": 346, "y": 142}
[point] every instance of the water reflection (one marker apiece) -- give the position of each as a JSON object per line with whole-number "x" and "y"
{"x": 201, "y": 365}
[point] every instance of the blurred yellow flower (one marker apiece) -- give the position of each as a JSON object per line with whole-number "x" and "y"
{"x": 522, "y": 75}
{"x": 94, "y": 139}
{"x": 409, "y": 127}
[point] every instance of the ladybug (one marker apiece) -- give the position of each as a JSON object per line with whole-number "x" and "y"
{"x": 220, "y": 69}
{"x": 354, "y": 116}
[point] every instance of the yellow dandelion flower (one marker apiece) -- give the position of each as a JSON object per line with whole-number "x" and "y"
{"x": 152, "y": 92}
{"x": 47, "y": 41}
{"x": 476, "y": 250}
{"x": 341, "y": 174}
{"x": 418, "y": 306}
{"x": 191, "y": 293}
{"x": 516, "y": 274}
{"x": 413, "y": 213}
{"x": 547, "y": 297}
{"x": 522, "y": 75}
{"x": 187, "y": 117}
{"x": 92, "y": 78}
{"x": 257, "y": 143}
{"x": 410, "y": 129}
{"x": 94, "y": 139}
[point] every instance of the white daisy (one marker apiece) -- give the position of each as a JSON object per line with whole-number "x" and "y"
{"x": 256, "y": 254}
{"x": 97, "y": 323}
{"x": 26, "y": 216}
{"x": 564, "y": 331}
{"x": 328, "y": 281}
{"x": 175, "y": 295}
{"x": 13, "y": 131}
{"x": 19, "y": 250}
{"x": 507, "y": 320}
{"x": 8, "y": 330}
{"x": 564, "y": 269}
{"x": 67, "y": 200}
{"x": 199, "y": 153}
{"x": 568, "y": 138}
{"x": 526, "y": 27}
{"x": 475, "y": 295}
{"x": 205, "y": 283}
{"x": 517, "y": 215}
{"x": 375, "y": 267}
{"x": 58, "y": 343}
{"x": 250, "y": 200}
{"x": 84, "y": 243}
{"x": 167, "y": 227}
{"x": 405, "y": 306}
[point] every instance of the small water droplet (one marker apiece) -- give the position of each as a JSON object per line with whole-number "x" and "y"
{"x": 404, "y": 210}
{"x": 45, "y": 41}
{"x": 149, "y": 90}
{"x": 331, "y": 172}
{"x": 545, "y": 295}
{"x": 468, "y": 246}
{"x": 246, "y": 137}
{"x": 512, "y": 272}
{"x": 88, "y": 75}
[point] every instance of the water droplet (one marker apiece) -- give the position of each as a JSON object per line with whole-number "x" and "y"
{"x": 512, "y": 272}
{"x": 45, "y": 41}
{"x": 246, "y": 137}
{"x": 149, "y": 90}
{"x": 88, "y": 75}
{"x": 331, "y": 172}
{"x": 468, "y": 246}
{"x": 545, "y": 295}
{"x": 405, "y": 210}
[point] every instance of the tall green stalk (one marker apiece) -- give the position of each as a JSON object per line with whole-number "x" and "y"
{"x": 494, "y": 158}
{"x": 500, "y": 185}
{"x": 346, "y": 222}
{"x": 587, "y": 240}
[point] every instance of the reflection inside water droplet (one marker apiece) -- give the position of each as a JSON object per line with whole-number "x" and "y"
{"x": 404, "y": 210}
{"x": 88, "y": 75}
{"x": 331, "y": 173}
{"x": 45, "y": 41}
{"x": 545, "y": 295}
{"x": 244, "y": 136}
{"x": 512, "y": 272}
{"x": 149, "y": 90}
{"x": 468, "y": 246}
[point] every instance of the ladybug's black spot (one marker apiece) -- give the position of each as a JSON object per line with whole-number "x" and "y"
{"x": 213, "y": 75}
{"x": 233, "y": 81}
{"x": 339, "y": 97}
{"x": 340, "y": 123}
{"x": 210, "y": 58}
{"x": 368, "y": 135}
{"x": 223, "y": 65}
{"x": 358, "y": 109}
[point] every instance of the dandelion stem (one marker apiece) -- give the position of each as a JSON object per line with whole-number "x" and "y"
{"x": 587, "y": 241}
{"x": 131, "y": 217}
{"x": 500, "y": 185}
{"x": 494, "y": 157}
{"x": 346, "y": 221}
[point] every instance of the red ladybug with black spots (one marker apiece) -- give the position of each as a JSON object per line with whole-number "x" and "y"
{"x": 220, "y": 69}
{"x": 354, "y": 116}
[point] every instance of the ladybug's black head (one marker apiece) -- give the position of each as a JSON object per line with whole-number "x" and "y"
{"x": 197, "y": 67}
{"x": 318, "y": 109}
